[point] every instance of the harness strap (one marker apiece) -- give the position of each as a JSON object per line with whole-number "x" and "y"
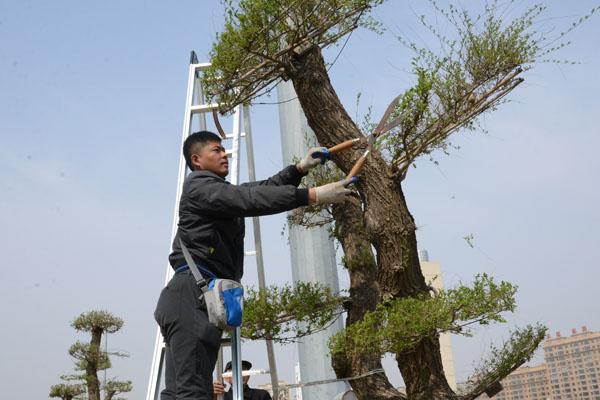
{"x": 200, "y": 281}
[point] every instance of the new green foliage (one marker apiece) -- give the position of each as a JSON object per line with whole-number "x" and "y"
{"x": 398, "y": 325}
{"x": 471, "y": 74}
{"x": 501, "y": 361}
{"x": 273, "y": 313}
{"x": 258, "y": 36}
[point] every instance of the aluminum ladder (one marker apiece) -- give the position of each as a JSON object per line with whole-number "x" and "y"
{"x": 195, "y": 105}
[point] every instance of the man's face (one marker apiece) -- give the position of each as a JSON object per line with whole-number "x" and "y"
{"x": 229, "y": 379}
{"x": 211, "y": 157}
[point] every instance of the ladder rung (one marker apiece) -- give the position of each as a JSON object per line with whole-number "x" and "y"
{"x": 204, "y": 108}
{"x": 200, "y": 66}
{"x": 250, "y": 253}
{"x": 242, "y": 134}
{"x": 226, "y": 341}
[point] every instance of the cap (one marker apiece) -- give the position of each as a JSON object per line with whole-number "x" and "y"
{"x": 245, "y": 365}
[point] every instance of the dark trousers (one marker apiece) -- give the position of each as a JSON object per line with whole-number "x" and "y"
{"x": 192, "y": 343}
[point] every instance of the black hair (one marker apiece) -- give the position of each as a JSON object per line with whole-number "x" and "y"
{"x": 191, "y": 143}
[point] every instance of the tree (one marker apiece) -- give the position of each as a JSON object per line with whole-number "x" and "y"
{"x": 114, "y": 387}
{"x": 391, "y": 308}
{"x": 90, "y": 358}
{"x": 66, "y": 391}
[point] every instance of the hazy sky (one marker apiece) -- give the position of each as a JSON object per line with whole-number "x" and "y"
{"x": 91, "y": 108}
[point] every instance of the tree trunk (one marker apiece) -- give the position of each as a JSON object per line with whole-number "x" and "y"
{"x": 364, "y": 295}
{"x": 91, "y": 371}
{"x": 389, "y": 224}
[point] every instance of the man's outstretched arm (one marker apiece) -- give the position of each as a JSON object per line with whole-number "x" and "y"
{"x": 292, "y": 174}
{"x": 216, "y": 197}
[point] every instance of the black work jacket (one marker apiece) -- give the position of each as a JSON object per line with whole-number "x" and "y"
{"x": 212, "y": 211}
{"x": 250, "y": 394}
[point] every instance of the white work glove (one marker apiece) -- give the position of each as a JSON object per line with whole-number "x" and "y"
{"x": 314, "y": 157}
{"x": 335, "y": 192}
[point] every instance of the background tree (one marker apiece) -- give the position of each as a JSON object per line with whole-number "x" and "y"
{"x": 90, "y": 358}
{"x": 391, "y": 308}
{"x": 114, "y": 387}
{"x": 66, "y": 391}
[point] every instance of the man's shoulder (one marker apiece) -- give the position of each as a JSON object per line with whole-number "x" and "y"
{"x": 260, "y": 394}
{"x": 203, "y": 175}
{"x": 197, "y": 178}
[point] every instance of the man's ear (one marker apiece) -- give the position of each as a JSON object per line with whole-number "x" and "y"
{"x": 196, "y": 161}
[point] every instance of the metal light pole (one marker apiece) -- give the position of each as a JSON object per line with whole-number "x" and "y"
{"x": 312, "y": 255}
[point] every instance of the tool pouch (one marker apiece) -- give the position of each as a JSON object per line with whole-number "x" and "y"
{"x": 224, "y": 300}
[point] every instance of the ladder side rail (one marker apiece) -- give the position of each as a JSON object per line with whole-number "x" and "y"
{"x": 252, "y": 178}
{"x": 258, "y": 249}
{"x": 158, "y": 357}
{"x": 236, "y": 345}
{"x": 220, "y": 370}
{"x": 187, "y": 127}
{"x": 202, "y": 125}
{"x": 200, "y": 100}
{"x": 157, "y": 367}
{"x": 236, "y": 364}
{"x": 235, "y": 148}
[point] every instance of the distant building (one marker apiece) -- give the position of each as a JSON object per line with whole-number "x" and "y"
{"x": 571, "y": 371}
{"x": 526, "y": 383}
{"x": 573, "y": 365}
{"x": 297, "y": 392}
{"x": 433, "y": 276}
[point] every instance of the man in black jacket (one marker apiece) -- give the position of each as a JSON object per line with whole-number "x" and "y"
{"x": 249, "y": 393}
{"x": 211, "y": 225}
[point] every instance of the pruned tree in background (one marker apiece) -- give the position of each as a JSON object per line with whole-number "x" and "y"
{"x": 390, "y": 307}
{"x": 67, "y": 391}
{"x": 114, "y": 387}
{"x": 89, "y": 359}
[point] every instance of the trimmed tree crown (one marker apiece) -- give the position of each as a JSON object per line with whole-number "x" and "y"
{"x": 103, "y": 320}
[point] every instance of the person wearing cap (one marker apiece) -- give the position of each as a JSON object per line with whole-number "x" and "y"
{"x": 211, "y": 226}
{"x": 249, "y": 393}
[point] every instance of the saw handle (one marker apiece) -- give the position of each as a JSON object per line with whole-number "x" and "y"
{"x": 358, "y": 165}
{"x": 325, "y": 153}
{"x": 342, "y": 146}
